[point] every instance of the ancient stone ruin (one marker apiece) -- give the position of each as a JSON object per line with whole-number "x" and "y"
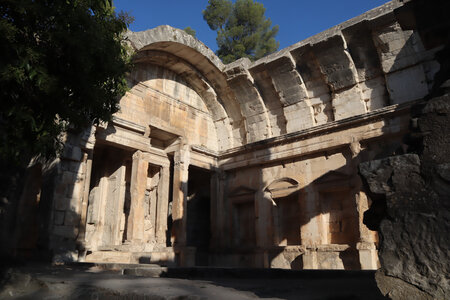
{"x": 250, "y": 164}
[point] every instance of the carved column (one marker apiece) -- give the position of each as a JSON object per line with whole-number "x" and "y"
{"x": 311, "y": 232}
{"x": 162, "y": 206}
{"x": 87, "y": 159}
{"x": 368, "y": 256}
{"x": 266, "y": 228}
{"x": 139, "y": 169}
{"x": 263, "y": 224}
{"x": 222, "y": 235}
{"x": 215, "y": 213}
{"x": 179, "y": 203}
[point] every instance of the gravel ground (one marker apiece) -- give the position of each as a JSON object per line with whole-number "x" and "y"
{"x": 80, "y": 282}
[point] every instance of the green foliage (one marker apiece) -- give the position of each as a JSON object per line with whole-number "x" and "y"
{"x": 217, "y": 13}
{"x": 242, "y": 29}
{"x": 190, "y": 31}
{"x": 62, "y": 64}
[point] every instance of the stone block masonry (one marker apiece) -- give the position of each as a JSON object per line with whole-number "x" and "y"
{"x": 251, "y": 164}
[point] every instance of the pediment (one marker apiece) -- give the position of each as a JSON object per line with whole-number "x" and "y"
{"x": 242, "y": 191}
{"x": 283, "y": 187}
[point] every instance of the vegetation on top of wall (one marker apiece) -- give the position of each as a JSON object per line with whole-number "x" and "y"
{"x": 190, "y": 31}
{"x": 62, "y": 64}
{"x": 242, "y": 29}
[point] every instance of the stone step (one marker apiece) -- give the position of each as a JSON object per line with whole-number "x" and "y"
{"x": 155, "y": 270}
{"x": 162, "y": 258}
{"x": 249, "y": 273}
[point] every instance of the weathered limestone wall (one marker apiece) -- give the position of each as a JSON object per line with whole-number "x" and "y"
{"x": 161, "y": 99}
{"x": 278, "y": 139}
{"x": 318, "y": 193}
{"x": 359, "y": 66}
{"x": 411, "y": 209}
{"x": 410, "y": 192}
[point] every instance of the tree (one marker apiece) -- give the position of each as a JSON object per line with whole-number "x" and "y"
{"x": 242, "y": 29}
{"x": 62, "y": 65}
{"x": 190, "y": 31}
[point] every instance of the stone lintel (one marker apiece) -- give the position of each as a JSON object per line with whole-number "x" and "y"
{"x": 128, "y": 125}
{"x": 156, "y": 157}
{"x": 204, "y": 161}
{"x": 123, "y": 138}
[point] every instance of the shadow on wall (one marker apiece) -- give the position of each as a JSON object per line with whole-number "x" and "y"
{"x": 322, "y": 217}
{"x": 40, "y": 198}
{"x": 48, "y": 212}
{"x": 403, "y": 85}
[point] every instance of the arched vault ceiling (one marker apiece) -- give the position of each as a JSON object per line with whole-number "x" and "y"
{"x": 181, "y": 53}
{"x": 374, "y": 60}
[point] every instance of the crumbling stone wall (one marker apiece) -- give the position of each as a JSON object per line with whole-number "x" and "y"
{"x": 411, "y": 210}
{"x": 279, "y": 138}
{"x": 410, "y": 192}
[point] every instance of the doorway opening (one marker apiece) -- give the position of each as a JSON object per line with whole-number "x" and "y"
{"x": 198, "y": 223}
{"x": 108, "y": 196}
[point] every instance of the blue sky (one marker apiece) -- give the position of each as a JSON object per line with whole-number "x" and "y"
{"x": 298, "y": 19}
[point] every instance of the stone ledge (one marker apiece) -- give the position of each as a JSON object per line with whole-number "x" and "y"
{"x": 319, "y": 129}
{"x": 128, "y": 125}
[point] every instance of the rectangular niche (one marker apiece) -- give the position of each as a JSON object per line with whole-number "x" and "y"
{"x": 287, "y": 220}
{"x": 339, "y": 216}
{"x": 244, "y": 224}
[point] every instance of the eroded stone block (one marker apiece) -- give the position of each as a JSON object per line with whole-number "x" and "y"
{"x": 407, "y": 85}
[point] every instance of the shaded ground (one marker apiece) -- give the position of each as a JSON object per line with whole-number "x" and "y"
{"x": 87, "y": 282}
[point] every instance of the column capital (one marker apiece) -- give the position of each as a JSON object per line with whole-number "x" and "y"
{"x": 137, "y": 155}
{"x": 182, "y": 159}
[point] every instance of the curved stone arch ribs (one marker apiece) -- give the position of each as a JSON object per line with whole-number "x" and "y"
{"x": 401, "y": 54}
{"x": 235, "y": 116}
{"x": 156, "y": 82}
{"x": 189, "y": 51}
{"x": 290, "y": 87}
{"x": 252, "y": 106}
{"x": 363, "y": 52}
{"x": 339, "y": 72}
{"x": 200, "y": 84}
{"x": 264, "y": 84}
{"x": 316, "y": 86}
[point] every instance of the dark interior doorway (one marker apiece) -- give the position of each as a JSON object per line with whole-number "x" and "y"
{"x": 109, "y": 191}
{"x": 198, "y": 224}
{"x": 169, "y": 210}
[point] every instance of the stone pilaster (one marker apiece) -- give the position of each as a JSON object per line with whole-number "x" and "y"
{"x": 368, "y": 254}
{"x": 135, "y": 230}
{"x": 215, "y": 213}
{"x": 263, "y": 206}
{"x": 85, "y": 201}
{"x": 179, "y": 203}
{"x": 162, "y": 206}
{"x": 223, "y": 232}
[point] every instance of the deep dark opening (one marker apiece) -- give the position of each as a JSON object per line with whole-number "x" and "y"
{"x": 108, "y": 162}
{"x": 288, "y": 210}
{"x": 198, "y": 223}
{"x": 169, "y": 211}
